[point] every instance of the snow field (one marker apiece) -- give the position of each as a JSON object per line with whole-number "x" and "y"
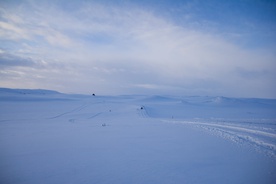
{"x": 63, "y": 140}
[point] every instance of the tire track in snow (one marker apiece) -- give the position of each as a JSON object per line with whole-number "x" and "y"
{"x": 74, "y": 120}
{"x": 258, "y": 142}
{"x": 262, "y": 141}
{"x": 142, "y": 112}
{"x": 253, "y": 131}
{"x": 95, "y": 115}
{"x": 71, "y": 111}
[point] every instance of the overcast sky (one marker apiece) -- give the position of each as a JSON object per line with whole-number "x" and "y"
{"x": 200, "y": 47}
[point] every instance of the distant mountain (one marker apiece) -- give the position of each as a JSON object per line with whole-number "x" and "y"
{"x": 7, "y": 94}
{"x": 27, "y": 91}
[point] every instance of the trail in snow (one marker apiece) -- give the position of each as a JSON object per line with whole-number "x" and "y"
{"x": 142, "y": 112}
{"x": 95, "y": 115}
{"x": 84, "y": 108}
{"x": 261, "y": 140}
{"x": 71, "y": 111}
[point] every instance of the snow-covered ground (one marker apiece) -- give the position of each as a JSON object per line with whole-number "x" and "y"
{"x": 52, "y": 138}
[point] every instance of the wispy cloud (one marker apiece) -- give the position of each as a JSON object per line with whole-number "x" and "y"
{"x": 9, "y": 60}
{"x": 118, "y": 49}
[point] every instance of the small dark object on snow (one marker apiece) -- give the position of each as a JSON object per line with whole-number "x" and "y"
{"x": 93, "y": 94}
{"x": 103, "y": 124}
{"x": 142, "y": 108}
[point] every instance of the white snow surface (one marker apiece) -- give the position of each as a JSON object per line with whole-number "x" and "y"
{"x": 52, "y": 138}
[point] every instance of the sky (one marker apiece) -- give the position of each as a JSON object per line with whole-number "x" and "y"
{"x": 151, "y": 47}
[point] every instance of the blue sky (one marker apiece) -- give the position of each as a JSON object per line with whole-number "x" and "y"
{"x": 200, "y": 47}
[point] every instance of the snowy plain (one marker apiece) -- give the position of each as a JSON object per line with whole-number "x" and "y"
{"x": 50, "y": 137}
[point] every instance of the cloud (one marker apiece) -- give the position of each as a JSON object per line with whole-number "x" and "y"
{"x": 125, "y": 49}
{"x": 9, "y": 60}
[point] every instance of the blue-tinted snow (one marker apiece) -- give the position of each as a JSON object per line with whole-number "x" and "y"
{"x": 48, "y": 137}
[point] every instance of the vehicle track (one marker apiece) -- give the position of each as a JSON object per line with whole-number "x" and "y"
{"x": 95, "y": 115}
{"x": 142, "y": 112}
{"x": 261, "y": 140}
{"x": 69, "y": 112}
